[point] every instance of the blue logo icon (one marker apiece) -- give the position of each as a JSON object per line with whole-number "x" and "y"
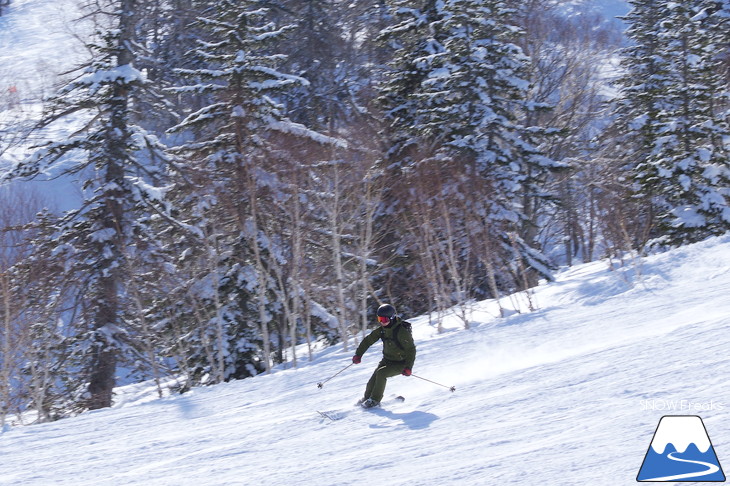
{"x": 681, "y": 451}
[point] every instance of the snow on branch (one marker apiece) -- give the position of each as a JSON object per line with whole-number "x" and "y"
{"x": 299, "y": 130}
{"x": 125, "y": 74}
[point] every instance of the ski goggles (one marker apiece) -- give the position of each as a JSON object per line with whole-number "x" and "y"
{"x": 383, "y": 319}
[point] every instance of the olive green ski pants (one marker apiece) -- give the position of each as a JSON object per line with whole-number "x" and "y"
{"x": 376, "y": 385}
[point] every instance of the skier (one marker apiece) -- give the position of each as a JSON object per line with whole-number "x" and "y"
{"x": 399, "y": 353}
{"x": 13, "y": 97}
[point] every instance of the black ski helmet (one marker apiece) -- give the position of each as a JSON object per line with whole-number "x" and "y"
{"x": 386, "y": 310}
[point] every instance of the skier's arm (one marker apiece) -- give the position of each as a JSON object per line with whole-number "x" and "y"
{"x": 369, "y": 340}
{"x": 409, "y": 347}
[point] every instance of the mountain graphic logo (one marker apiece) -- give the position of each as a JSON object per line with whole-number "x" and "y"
{"x": 681, "y": 451}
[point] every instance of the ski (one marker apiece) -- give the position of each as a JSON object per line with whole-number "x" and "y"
{"x": 335, "y": 415}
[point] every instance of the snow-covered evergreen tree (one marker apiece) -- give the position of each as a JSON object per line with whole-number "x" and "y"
{"x": 117, "y": 165}
{"x": 453, "y": 95}
{"x": 230, "y": 157}
{"x": 673, "y": 117}
{"x": 316, "y": 51}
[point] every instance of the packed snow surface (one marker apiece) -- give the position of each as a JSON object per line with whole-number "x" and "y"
{"x": 569, "y": 394}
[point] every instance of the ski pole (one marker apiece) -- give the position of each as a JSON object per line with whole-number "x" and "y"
{"x": 321, "y": 383}
{"x": 451, "y": 388}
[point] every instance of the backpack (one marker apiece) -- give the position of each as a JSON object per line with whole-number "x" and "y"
{"x": 405, "y": 324}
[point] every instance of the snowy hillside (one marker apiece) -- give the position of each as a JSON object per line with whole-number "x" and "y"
{"x": 567, "y": 395}
{"x": 39, "y": 42}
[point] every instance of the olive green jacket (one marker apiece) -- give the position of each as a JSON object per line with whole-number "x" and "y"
{"x": 397, "y": 339}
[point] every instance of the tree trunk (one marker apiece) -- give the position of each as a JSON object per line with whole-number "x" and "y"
{"x": 104, "y": 353}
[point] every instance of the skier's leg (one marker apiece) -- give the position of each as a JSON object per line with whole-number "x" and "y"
{"x": 370, "y": 385}
{"x": 381, "y": 376}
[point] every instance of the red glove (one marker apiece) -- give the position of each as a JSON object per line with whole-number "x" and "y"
{"x": 407, "y": 372}
{"x": 356, "y": 359}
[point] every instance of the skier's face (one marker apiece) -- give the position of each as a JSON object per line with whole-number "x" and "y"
{"x": 383, "y": 320}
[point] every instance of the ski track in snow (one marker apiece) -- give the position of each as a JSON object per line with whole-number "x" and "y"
{"x": 549, "y": 397}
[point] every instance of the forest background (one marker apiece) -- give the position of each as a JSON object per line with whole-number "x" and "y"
{"x": 251, "y": 179}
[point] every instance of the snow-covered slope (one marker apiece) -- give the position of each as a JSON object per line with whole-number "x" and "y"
{"x": 570, "y": 394}
{"x": 39, "y": 42}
